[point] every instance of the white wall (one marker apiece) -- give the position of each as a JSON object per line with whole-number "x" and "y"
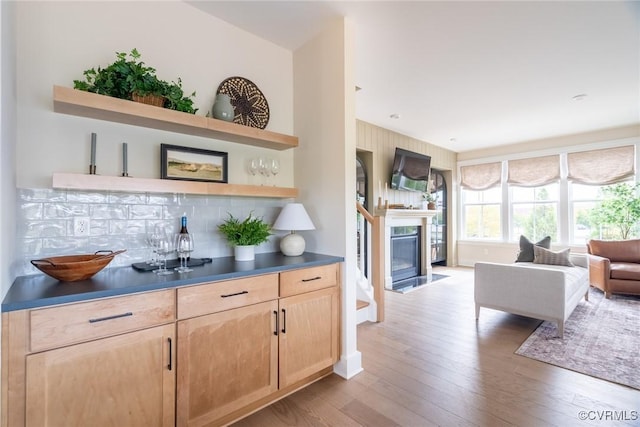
{"x": 556, "y": 143}
{"x": 325, "y": 161}
{"x": 8, "y": 145}
{"x": 57, "y": 41}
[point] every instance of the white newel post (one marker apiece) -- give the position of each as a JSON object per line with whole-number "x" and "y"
{"x": 402, "y": 218}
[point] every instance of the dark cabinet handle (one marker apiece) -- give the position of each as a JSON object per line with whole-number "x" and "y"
{"x": 312, "y": 279}
{"x": 284, "y": 321}
{"x": 233, "y": 295}
{"x": 169, "y": 365}
{"x": 116, "y": 316}
{"x": 275, "y": 313}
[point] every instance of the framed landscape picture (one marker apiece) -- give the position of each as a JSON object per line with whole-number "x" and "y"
{"x": 192, "y": 164}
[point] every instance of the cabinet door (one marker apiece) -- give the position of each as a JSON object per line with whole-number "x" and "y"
{"x": 226, "y": 360}
{"x": 126, "y": 380}
{"x": 308, "y": 335}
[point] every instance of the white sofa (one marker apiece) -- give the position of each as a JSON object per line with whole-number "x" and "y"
{"x": 547, "y": 292}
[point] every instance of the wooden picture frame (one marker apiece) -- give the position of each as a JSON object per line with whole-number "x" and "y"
{"x": 193, "y": 164}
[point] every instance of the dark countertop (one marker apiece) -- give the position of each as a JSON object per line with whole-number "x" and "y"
{"x": 40, "y": 290}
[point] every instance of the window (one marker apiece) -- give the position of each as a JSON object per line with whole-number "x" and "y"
{"x": 584, "y": 198}
{"x": 552, "y": 195}
{"x": 534, "y": 212}
{"x": 589, "y": 173}
{"x": 482, "y": 219}
{"x": 481, "y": 201}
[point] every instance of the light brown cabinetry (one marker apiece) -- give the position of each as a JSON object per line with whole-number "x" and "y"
{"x": 239, "y": 356}
{"x": 295, "y": 282}
{"x": 309, "y": 334}
{"x": 69, "y": 324}
{"x": 200, "y": 355}
{"x": 228, "y": 355}
{"x": 213, "y": 297}
{"x": 124, "y": 380}
{"x": 107, "y": 362}
{"x": 226, "y": 361}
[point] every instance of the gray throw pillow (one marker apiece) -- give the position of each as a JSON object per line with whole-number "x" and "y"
{"x": 545, "y": 256}
{"x": 526, "y": 248}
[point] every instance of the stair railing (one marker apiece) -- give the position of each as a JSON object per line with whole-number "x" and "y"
{"x": 373, "y": 249}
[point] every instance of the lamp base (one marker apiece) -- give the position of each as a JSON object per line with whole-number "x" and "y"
{"x": 292, "y": 244}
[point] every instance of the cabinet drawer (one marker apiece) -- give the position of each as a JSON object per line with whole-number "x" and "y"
{"x": 296, "y": 282}
{"x": 73, "y": 323}
{"x": 219, "y": 296}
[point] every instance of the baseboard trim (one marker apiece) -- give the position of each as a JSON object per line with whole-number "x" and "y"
{"x": 349, "y": 366}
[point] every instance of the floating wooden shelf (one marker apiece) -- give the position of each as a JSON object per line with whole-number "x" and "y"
{"x": 87, "y": 104}
{"x": 148, "y": 185}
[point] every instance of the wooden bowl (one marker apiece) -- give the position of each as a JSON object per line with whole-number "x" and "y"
{"x": 72, "y": 268}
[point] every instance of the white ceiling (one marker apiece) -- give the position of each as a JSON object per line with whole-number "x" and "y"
{"x": 470, "y": 75}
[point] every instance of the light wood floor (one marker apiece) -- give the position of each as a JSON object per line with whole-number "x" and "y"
{"x": 430, "y": 364}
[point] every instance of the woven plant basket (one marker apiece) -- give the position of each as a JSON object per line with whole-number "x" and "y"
{"x": 155, "y": 100}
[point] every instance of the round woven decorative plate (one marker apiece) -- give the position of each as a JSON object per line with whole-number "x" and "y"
{"x": 249, "y": 104}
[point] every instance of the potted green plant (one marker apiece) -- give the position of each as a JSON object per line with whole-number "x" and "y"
{"x": 129, "y": 78}
{"x": 245, "y": 235}
{"x": 430, "y": 199}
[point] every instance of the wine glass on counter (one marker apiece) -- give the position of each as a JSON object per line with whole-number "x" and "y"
{"x": 164, "y": 247}
{"x": 152, "y": 239}
{"x": 184, "y": 246}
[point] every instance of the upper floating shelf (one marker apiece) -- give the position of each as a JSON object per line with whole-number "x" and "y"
{"x": 101, "y": 107}
{"x": 74, "y": 181}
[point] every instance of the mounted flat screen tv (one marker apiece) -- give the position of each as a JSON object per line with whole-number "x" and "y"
{"x": 410, "y": 171}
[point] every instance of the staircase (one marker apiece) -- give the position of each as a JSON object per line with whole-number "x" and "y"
{"x": 370, "y": 269}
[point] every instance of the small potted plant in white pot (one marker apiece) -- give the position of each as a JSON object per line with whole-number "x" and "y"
{"x": 245, "y": 235}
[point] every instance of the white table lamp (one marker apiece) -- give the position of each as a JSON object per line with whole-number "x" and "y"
{"x": 293, "y": 217}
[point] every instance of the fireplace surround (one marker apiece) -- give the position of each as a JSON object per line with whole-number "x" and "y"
{"x": 407, "y": 218}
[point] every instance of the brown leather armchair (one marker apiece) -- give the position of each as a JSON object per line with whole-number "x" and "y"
{"x": 614, "y": 266}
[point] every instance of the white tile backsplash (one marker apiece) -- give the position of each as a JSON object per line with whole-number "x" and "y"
{"x": 31, "y": 210}
{"x": 82, "y": 197}
{"x": 121, "y": 220}
{"x": 42, "y": 195}
{"x": 64, "y": 210}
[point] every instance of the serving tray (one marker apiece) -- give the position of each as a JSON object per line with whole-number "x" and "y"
{"x": 171, "y": 263}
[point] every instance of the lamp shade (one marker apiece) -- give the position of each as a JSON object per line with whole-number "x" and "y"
{"x": 293, "y": 217}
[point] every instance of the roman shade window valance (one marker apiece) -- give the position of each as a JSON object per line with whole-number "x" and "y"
{"x": 601, "y": 167}
{"x": 534, "y": 172}
{"x": 481, "y": 177}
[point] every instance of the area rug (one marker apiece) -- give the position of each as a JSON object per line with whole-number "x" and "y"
{"x": 601, "y": 339}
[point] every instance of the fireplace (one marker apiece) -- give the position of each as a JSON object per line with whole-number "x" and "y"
{"x": 421, "y": 221}
{"x": 405, "y": 252}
